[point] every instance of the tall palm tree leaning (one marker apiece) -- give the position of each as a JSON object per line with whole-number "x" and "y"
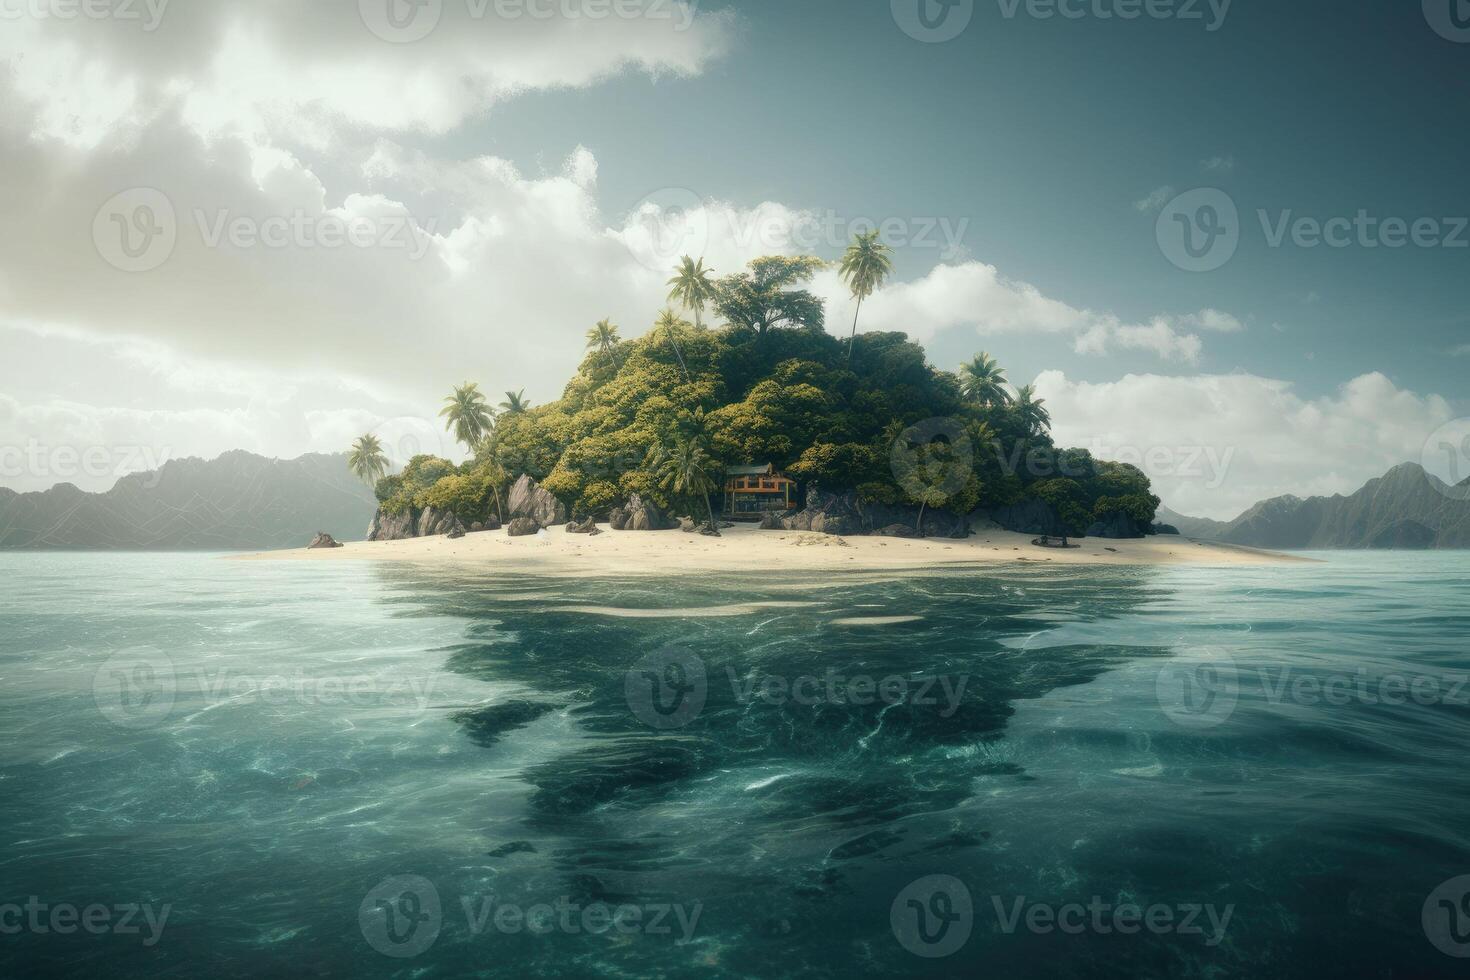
{"x": 982, "y": 381}
{"x": 367, "y": 460}
{"x": 604, "y": 336}
{"x": 693, "y": 287}
{"x": 1031, "y": 410}
{"x": 466, "y": 413}
{"x": 669, "y": 322}
{"x": 864, "y": 266}
{"x": 515, "y": 402}
{"x": 686, "y": 470}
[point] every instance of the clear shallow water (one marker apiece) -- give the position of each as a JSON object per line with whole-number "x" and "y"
{"x": 1271, "y": 762}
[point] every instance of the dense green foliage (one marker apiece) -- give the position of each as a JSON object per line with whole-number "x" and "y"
{"x": 884, "y": 423}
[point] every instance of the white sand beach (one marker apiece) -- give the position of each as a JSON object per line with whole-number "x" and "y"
{"x": 746, "y": 548}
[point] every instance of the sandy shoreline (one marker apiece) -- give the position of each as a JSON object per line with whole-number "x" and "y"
{"x": 746, "y": 548}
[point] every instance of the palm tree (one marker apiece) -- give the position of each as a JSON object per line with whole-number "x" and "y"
{"x": 982, "y": 381}
{"x": 1031, "y": 410}
{"x": 466, "y": 412}
{"x": 670, "y": 323}
{"x": 367, "y": 460}
{"x": 864, "y": 267}
{"x": 693, "y": 287}
{"x": 605, "y": 337}
{"x": 515, "y": 402}
{"x": 686, "y": 470}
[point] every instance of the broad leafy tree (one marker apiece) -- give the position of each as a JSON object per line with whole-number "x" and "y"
{"x": 767, "y": 296}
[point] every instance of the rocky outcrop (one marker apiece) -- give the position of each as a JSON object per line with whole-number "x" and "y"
{"x": 520, "y": 527}
{"x": 773, "y": 521}
{"x": 413, "y": 523}
{"x": 324, "y": 540}
{"x": 1115, "y": 526}
{"x": 1164, "y": 529}
{"x": 393, "y": 527}
{"x": 528, "y": 498}
{"x": 432, "y": 522}
{"x": 846, "y": 513}
{"x": 896, "y": 531}
{"x": 586, "y": 526}
{"x": 640, "y": 515}
{"x": 1026, "y": 517}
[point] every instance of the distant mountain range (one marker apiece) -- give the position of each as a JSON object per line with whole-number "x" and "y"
{"x": 1405, "y": 508}
{"x": 239, "y": 500}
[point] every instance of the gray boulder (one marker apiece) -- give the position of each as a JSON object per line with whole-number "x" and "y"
{"x": 392, "y": 527}
{"x": 847, "y": 514}
{"x": 586, "y": 526}
{"x": 458, "y": 532}
{"x": 640, "y": 515}
{"x": 1165, "y": 529}
{"x": 772, "y": 521}
{"x": 432, "y": 522}
{"x": 687, "y": 525}
{"x": 520, "y": 527}
{"x": 896, "y": 531}
{"x": 529, "y": 499}
{"x": 1115, "y": 526}
{"x": 324, "y": 540}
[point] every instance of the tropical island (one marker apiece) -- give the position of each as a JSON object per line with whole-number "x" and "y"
{"x": 765, "y": 421}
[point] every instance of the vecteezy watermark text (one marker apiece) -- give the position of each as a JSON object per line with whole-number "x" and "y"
{"x": 933, "y": 917}
{"x": 67, "y": 462}
{"x": 139, "y": 687}
{"x": 407, "y": 21}
{"x": 670, "y": 687}
{"x": 1211, "y": 13}
{"x": 138, "y": 230}
{"x": 148, "y": 12}
{"x": 403, "y": 916}
{"x": 64, "y": 919}
{"x": 1201, "y": 230}
{"x": 1203, "y": 691}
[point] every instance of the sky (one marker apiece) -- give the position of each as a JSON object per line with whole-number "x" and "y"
{"x": 1226, "y": 239}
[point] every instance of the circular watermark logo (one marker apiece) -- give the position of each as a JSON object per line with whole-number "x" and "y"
{"x": 1199, "y": 230}
{"x": 136, "y": 231}
{"x": 667, "y": 688}
{"x": 667, "y": 225}
{"x": 933, "y": 21}
{"x": 135, "y": 688}
{"x": 933, "y": 916}
{"x": 1449, "y": 18}
{"x": 401, "y": 21}
{"x": 1199, "y": 691}
{"x": 933, "y": 459}
{"x": 401, "y": 917}
{"x": 1446, "y": 917}
{"x": 1446, "y": 454}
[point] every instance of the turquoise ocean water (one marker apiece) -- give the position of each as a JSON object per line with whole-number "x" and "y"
{"x": 220, "y": 768}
